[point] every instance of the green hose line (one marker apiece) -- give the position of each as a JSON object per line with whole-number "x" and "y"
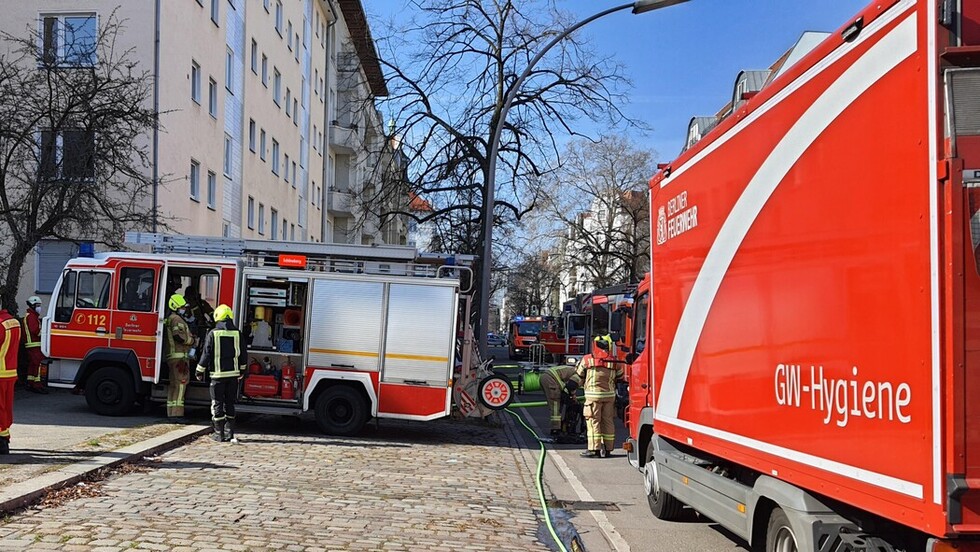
{"x": 532, "y": 381}
{"x": 528, "y": 404}
{"x": 544, "y": 503}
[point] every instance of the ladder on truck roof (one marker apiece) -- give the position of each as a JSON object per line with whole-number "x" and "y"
{"x": 321, "y": 257}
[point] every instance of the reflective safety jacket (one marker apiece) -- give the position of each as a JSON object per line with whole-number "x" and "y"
{"x": 178, "y": 335}
{"x": 31, "y": 329}
{"x": 9, "y": 344}
{"x": 561, "y": 373}
{"x": 224, "y": 352}
{"x": 599, "y": 377}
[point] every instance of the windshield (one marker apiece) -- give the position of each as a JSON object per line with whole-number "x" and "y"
{"x": 528, "y": 328}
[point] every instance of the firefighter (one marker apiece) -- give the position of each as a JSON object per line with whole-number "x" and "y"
{"x": 552, "y": 382}
{"x": 200, "y": 311}
{"x": 224, "y": 356}
{"x": 601, "y": 375}
{"x": 178, "y": 344}
{"x": 9, "y": 350}
{"x": 31, "y": 338}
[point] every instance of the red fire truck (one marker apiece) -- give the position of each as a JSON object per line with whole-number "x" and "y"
{"x": 585, "y": 317}
{"x": 345, "y": 332}
{"x": 813, "y": 337}
{"x": 522, "y": 335}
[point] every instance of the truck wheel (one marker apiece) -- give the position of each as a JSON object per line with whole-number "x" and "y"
{"x": 663, "y": 505}
{"x": 341, "y": 410}
{"x": 779, "y": 534}
{"x": 109, "y": 391}
{"x": 495, "y": 392}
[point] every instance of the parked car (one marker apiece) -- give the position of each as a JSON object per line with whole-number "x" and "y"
{"x": 494, "y": 340}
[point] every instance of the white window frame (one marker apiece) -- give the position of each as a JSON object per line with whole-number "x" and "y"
{"x": 194, "y": 179}
{"x": 250, "y": 216}
{"x": 251, "y": 135}
{"x": 230, "y": 71}
{"x": 213, "y": 97}
{"x": 261, "y": 219}
{"x": 275, "y": 157}
{"x": 215, "y": 12}
{"x": 286, "y": 168}
{"x": 273, "y": 223}
{"x": 279, "y": 18}
{"x": 276, "y": 85}
{"x": 60, "y": 53}
{"x": 226, "y": 166}
{"x": 265, "y": 71}
{"x": 196, "y": 82}
{"x": 289, "y": 102}
{"x": 255, "y": 57}
{"x": 262, "y": 144}
{"x": 212, "y": 190}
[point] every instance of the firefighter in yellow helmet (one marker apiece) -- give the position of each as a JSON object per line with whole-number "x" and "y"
{"x": 178, "y": 341}
{"x": 600, "y": 376}
{"x": 224, "y": 358}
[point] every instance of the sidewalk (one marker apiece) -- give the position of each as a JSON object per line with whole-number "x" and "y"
{"x": 56, "y": 441}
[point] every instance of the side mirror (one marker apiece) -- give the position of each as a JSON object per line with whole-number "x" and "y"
{"x": 616, "y": 323}
{"x": 615, "y": 335}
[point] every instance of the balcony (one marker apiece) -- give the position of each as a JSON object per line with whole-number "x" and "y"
{"x": 339, "y": 203}
{"x": 345, "y": 138}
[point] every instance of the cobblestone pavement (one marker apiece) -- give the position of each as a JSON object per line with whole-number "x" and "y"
{"x": 444, "y": 485}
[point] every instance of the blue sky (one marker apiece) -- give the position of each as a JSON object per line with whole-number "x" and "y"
{"x": 683, "y": 59}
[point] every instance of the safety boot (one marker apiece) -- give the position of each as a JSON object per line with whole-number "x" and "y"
{"x": 219, "y": 431}
{"x": 590, "y": 454}
{"x": 4, "y": 445}
{"x": 603, "y": 453}
{"x": 230, "y": 436}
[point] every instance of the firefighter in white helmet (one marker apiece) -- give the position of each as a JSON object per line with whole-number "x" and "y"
{"x": 31, "y": 342}
{"x": 600, "y": 375}
{"x": 178, "y": 343}
{"x": 224, "y": 358}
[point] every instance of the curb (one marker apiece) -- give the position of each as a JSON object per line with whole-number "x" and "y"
{"x": 20, "y": 495}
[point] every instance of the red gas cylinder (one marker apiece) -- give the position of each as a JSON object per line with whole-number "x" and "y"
{"x": 288, "y": 381}
{"x": 254, "y": 367}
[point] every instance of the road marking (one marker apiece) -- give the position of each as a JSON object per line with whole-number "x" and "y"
{"x": 617, "y": 541}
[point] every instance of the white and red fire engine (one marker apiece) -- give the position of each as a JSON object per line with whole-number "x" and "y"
{"x": 347, "y": 332}
{"x": 810, "y": 376}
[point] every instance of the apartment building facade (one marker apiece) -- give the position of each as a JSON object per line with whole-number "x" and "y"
{"x": 267, "y": 108}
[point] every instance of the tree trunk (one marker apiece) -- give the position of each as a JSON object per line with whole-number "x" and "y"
{"x": 15, "y": 264}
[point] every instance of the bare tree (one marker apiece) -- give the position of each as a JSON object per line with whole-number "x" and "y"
{"x": 533, "y": 285}
{"x": 74, "y": 157}
{"x": 449, "y": 73}
{"x": 602, "y": 208}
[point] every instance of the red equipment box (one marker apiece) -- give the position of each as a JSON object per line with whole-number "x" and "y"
{"x": 261, "y": 386}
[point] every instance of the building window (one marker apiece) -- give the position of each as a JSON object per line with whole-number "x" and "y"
{"x": 285, "y": 168}
{"x": 261, "y": 219}
{"x": 275, "y": 157}
{"x": 251, "y": 135}
{"x": 262, "y": 144}
{"x": 51, "y": 256}
{"x": 316, "y": 79}
{"x": 274, "y": 220}
{"x": 67, "y": 155}
{"x": 296, "y": 52}
{"x": 292, "y": 232}
{"x": 230, "y": 70}
{"x": 316, "y": 146}
{"x": 213, "y": 98}
{"x": 295, "y": 177}
{"x": 265, "y": 71}
{"x": 276, "y": 86}
{"x": 255, "y": 57}
{"x": 279, "y": 17}
{"x": 214, "y": 10}
{"x": 69, "y": 40}
{"x": 212, "y": 190}
{"x": 195, "y": 82}
{"x": 265, "y": 4}
{"x": 195, "y": 180}
{"x": 289, "y": 36}
{"x": 289, "y": 101}
{"x": 251, "y": 213}
{"x": 295, "y": 112}
{"x": 228, "y": 151}
{"x": 284, "y": 228}
{"x": 225, "y": 227}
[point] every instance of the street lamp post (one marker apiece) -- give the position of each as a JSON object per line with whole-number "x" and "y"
{"x": 640, "y": 6}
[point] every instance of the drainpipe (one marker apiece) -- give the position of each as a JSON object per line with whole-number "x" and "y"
{"x": 156, "y": 112}
{"x": 326, "y": 127}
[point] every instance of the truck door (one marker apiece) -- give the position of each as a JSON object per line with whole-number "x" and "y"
{"x": 638, "y": 373}
{"x": 81, "y": 314}
{"x": 418, "y": 350}
{"x": 136, "y": 318}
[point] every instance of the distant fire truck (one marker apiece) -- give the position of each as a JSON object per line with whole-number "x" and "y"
{"x": 522, "y": 335}
{"x": 346, "y": 332}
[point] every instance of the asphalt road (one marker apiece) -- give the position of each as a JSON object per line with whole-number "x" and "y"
{"x": 607, "y": 503}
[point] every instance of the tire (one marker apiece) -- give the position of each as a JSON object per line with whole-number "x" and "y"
{"x": 663, "y": 505}
{"x": 110, "y": 392}
{"x": 780, "y": 536}
{"x": 341, "y": 410}
{"x": 495, "y": 392}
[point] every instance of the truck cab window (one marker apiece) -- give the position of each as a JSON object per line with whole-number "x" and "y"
{"x": 640, "y": 323}
{"x": 973, "y": 196}
{"x": 66, "y": 297}
{"x": 136, "y": 289}
{"x": 93, "y": 290}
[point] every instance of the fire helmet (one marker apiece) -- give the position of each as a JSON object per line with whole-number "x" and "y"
{"x": 176, "y": 301}
{"x": 223, "y": 312}
{"x": 34, "y": 301}
{"x": 604, "y": 342}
